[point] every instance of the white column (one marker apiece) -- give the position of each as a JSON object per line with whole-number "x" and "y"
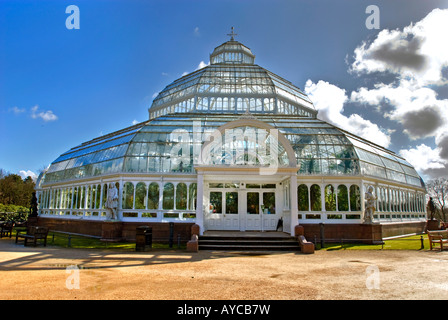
{"x": 200, "y": 203}
{"x": 293, "y": 203}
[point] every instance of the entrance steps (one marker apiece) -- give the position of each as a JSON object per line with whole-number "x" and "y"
{"x": 248, "y": 241}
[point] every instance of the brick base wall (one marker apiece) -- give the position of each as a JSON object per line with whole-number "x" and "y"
{"x": 368, "y": 233}
{"x": 160, "y": 231}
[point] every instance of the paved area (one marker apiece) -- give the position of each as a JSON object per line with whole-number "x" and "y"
{"x": 57, "y": 273}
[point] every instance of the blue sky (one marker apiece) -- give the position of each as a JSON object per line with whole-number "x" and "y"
{"x": 60, "y": 87}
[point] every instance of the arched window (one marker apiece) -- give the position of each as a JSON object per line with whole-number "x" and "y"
{"x": 315, "y": 198}
{"x": 355, "y": 198}
{"x": 330, "y": 198}
{"x": 192, "y": 196}
{"x": 181, "y": 196}
{"x": 81, "y": 196}
{"x": 342, "y": 198}
{"x": 168, "y": 196}
{"x": 98, "y": 197}
{"x": 105, "y": 187}
{"x": 140, "y": 196}
{"x": 128, "y": 196}
{"x": 302, "y": 198}
{"x": 153, "y": 196}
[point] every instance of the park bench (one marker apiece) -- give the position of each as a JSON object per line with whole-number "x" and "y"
{"x": 6, "y": 229}
{"x": 33, "y": 234}
{"x": 438, "y": 237}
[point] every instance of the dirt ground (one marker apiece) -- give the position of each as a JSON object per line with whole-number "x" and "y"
{"x": 41, "y": 273}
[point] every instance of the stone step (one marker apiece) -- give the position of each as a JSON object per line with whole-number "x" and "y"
{"x": 248, "y": 243}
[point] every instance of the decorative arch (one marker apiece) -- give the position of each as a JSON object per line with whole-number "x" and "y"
{"x": 282, "y": 140}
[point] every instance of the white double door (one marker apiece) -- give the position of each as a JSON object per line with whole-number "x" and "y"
{"x": 242, "y": 209}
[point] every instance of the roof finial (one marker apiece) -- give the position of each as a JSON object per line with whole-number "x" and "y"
{"x": 232, "y": 35}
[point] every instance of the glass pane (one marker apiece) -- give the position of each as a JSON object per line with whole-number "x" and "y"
{"x": 330, "y": 198}
{"x": 302, "y": 198}
{"x": 355, "y": 198}
{"x": 193, "y": 196}
{"x": 316, "y": 204}
{"x": 140, "y": 196}
{"x": 342, "y": 198}
{"x": 269, "y": 202}
{"x": 215, "y": 185}
{"x": 168, "y": 196}
{"x": 181, "y": 196}
{"x": 98, "y": 197}
{"x": 253, "y": 203}
{"x": 232, "y": 202}
{"x": 215, "y": 202}
{"x": 153, "y": 196}
{"x": 128, "y": 195}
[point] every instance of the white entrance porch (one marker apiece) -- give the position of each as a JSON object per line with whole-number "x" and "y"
{"x": 241, "y": 201}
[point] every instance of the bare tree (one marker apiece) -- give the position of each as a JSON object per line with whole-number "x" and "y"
{"x": 438, "y": 190}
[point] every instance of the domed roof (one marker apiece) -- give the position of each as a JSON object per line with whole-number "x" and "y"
{"x": 232, "y": 83}
{"x": 319, "y": 148}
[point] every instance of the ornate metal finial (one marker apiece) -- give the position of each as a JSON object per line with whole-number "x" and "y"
{"x": 232, "y": 35}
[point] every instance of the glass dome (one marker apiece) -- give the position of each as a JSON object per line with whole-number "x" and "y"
{"x": 232, "y": 83}
{"x": 189, "y": 110}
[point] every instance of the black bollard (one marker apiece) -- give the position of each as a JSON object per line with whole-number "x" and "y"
{"x": 171, "y": 234}
{"x": 322, "y": 235}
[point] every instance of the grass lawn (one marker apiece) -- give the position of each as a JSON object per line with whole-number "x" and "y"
{"x": 406, "y": 243}
{"x": 62, "y": 240}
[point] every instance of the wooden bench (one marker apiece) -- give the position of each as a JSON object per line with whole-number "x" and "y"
{"x": 6, "y": 229}
{"x": 438, "y": 237}
{"x": 34, "y": 234}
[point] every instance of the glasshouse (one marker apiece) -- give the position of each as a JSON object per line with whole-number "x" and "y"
{"x": 232, "y": 146}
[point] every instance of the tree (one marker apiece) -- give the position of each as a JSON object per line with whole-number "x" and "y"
{"x": 14, "y": 190}
{"x": 438, "y": 190}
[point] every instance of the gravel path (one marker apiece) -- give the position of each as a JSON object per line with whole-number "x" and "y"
{"x": 41, "y": 273}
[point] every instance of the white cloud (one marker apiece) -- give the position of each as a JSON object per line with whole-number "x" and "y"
{"x": 44, "y": 115}
{"x": 419, "y": 51}
{"x": 417, "y": 56}
{"x": 426, "y": 160}
{"x": 26, "y": 173}
{"x": 202, "y": 64}
{"x": 196, "y": 32}
{"x": 16, "y": 110}
{"x": 329, "y": 100}
{"x": 415, "y": 107}
{"x": 134, "y": 122}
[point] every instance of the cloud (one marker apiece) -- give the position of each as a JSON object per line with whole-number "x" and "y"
{"x": 25, "y": 173}
{"x": 17, "y": 110}
{"x": 44, "y": 115}
{"x": 134, "y": 122}
{"x": 202, "y": 64}
{"x": 426, "y": 160}
{"x": 417, "y": 57}
{"x": 419, "y": 51}
{"x": 196, "y": 32}
{"x": 329, "y": 100}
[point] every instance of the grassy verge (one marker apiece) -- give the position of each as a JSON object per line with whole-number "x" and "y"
{"x": 79, "y": 242}
{"x": 406, "y": 243}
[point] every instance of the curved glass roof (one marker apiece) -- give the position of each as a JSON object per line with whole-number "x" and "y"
{"x": 319, "y": 148}
{"x": 190, "y": 109}
{"x": 234, "y": 84}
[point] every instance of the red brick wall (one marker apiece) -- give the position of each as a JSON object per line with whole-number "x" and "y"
{"x": 160, "y": 231}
